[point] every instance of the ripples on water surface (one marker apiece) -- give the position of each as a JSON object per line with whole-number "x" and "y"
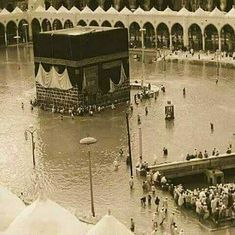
{"x": 61, "y": 170}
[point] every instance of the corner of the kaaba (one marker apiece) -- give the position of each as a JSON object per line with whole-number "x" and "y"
{"x": 94, "y": 60}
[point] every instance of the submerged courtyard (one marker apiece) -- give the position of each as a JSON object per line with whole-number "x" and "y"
{"x": 61, "y": 170}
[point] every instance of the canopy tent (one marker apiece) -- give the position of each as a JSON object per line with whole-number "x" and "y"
{"x": 51, "y": 9}
{"x": 45, "y": 217}
{"x": 63, "y": 9}
{"x": 17, "y": 10}
{"x": 125, "y": 11}
{"x": 53, "y": 79}
{"x": 183, "y": 12}
{"x": 86, "y": 10}
{"x": 40, "y": 9}
{"x": 154, "y": 11}
{"x": 10, "y": 207}
{"x": 200, "y": 12}
{"x": 139, "y": 11}
{"x": 99, "y": 10}
{"x": 74, "y": 10}
{"x": 109, "y": 225}
{"x": 112, "y": 10}
{"x": 231, "y": 13}
{"x": 168, "y": 11}
{"x": 216, "y": 13}
{"x": 4, "y": 12}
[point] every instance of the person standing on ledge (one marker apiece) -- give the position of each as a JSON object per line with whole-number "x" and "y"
{"x": 132, "y": 225}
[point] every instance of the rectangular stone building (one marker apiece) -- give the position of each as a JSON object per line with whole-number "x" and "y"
{"x": 82, "y": 66}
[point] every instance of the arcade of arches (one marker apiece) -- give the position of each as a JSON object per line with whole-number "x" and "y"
{"x": 159, "y": 36}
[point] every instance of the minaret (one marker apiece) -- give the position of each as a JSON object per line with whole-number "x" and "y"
{"x": 34, "y": 4}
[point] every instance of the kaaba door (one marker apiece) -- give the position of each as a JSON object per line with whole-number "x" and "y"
{"x": 91, "y": 74}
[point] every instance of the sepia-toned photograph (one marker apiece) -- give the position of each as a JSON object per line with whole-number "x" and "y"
{"x": 117, "y": 117}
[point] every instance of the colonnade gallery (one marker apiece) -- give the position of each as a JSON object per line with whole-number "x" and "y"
{"x": 201, "y": 30}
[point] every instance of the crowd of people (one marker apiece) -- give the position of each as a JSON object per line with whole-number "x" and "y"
{"x": 214, "y": 202}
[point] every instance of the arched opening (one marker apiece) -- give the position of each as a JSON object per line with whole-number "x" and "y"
{"x": 163, "y": 36}
{"x": 106, "y": 24}
{"x": 68, "y": 24}
{"x": 211, "y": 38}
{"x": 10, "y": 7}
{"x": 119, "y": 24}
{"x": 134, "y": 31}
{"x": 149, "y": 35}
{"x": 2, "y": 35}
{"x": 93, "y": 23}
{"x": 46, "y": 25}
{"x": 81, "y": 23}
{"x": 177, "y": 33}
{"x": 56, "y": 25}
{"x": 23, "y": 30}
{"x": 195, "y": 37}
{"x": 11, "y": 31}
{"x": 227, "y": 38}
{"x": 36, "y": 27}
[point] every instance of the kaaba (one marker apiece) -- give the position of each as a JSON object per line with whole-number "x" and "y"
{"x": 82, "y": 66}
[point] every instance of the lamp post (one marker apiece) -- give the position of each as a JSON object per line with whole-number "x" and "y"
{"x": 31, "y": 130}
{"x": 129, "y": 141}
{"x": 89, "y": 141}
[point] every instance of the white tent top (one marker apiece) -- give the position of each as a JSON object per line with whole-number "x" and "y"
{"x": 45, "y": 217}
{"x": 99, "y": 10}
{"x": 51, "y": 9}
{"x": 139, "y": 11}
{"x": 184, "y": 12}
{"x": 4, "y": 12}
{"x": 63, "y": 9}
{"x": 200, "y": 12}
{"x": 168, "y": 11}
{"x": 74, "y": 10}
{"x": 125, "y": 11}
{"x": 231, "y": 13}
{"x": 112, "y": 10}
{"x": 216, "y": 12}
{"x": 109, "y": 225}
{"x": 10, "y": 207}
{"x": 154, "y": 11}
{"x": 86, "y": 10}
{"x": 40, "y": 9}
{"x": 17, "y": 10}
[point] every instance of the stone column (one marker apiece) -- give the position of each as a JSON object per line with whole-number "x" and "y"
{"x": 156, "y": 38}
{"x": 203, "y": 41}
{"x": 219, "y": 34}
{"x": 185, "y": 38}
{"x": 5, "y": 36}
{"x": 170, "y": 35}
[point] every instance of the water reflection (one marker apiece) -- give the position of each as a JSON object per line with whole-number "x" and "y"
{"x": 62, "y": 164}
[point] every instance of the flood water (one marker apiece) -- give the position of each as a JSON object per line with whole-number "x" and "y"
{"x": 61, "y": 163}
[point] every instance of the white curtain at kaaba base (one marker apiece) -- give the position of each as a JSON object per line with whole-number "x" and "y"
{"x": 53, "y": 79}
{"x": 122, "y": 79}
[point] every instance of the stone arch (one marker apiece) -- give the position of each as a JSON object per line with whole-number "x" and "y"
{"x": 163, "y": 36}
{"x": 2, "y": 35}
{"x": 106, "y": 24}
{"x": 36, "y": 27}
{"x": 211, "y": 38}
{"x": 68, "y": 24}
{"x": 134, "y": 31}
{"x": 46, "y": 25}
{"x": 56, "y": 25}
{"x": 23, "y": 31}
{"x": 195, "y": 37}
{"x": 119, "y": 24}
{"x": 11, "y": 31}
{"x": 177, "y": 34}
{"x": 149, "y": 35}
{"x": 82, "y": 23}
{"x": 227, "y": 38}
{"x": 94, "y": 23}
